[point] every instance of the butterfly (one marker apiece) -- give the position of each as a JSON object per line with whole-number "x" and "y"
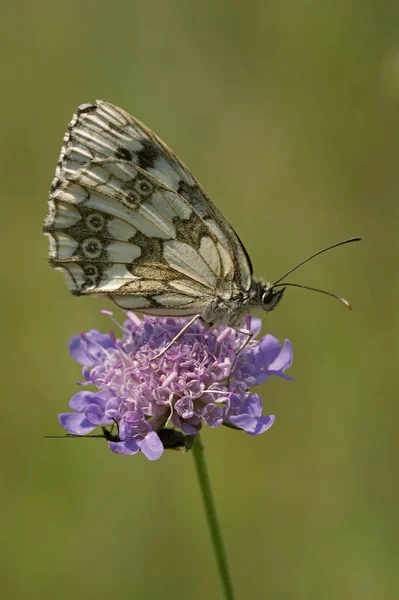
{"x": 129, "y": 221}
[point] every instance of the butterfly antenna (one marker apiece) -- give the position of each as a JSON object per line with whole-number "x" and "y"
{"x": 306, "y": 287}
{"x": 348, "y": 241}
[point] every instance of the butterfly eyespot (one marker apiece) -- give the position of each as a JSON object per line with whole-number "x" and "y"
{"x": 89, "y": 282}
{"x": 143, "y": 187}
{"x": 91, "y": 271}
{"x": 133, "y": 198}
{"x": 95, "y": 222}
{"x": 92, "y": 247}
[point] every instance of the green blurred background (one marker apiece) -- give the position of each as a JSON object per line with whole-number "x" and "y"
{"x": 287, "y": 112}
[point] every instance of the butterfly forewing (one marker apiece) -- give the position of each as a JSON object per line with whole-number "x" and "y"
{"x": 156, "y": 158}
{"x": 127, "y": 219}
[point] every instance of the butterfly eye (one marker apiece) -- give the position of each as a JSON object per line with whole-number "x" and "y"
{"x": 271, "y": 298}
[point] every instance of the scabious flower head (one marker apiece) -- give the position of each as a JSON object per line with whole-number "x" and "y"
{"x": 203, "y": 378}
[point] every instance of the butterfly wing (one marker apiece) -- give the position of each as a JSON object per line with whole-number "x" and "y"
{"x": 149, "y": 152}
{"x": 118, "y": 226}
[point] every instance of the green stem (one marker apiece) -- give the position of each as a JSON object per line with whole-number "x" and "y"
{"x": 211, "y": 516}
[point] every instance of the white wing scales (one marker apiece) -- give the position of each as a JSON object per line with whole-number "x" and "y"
{"x": 127, "y": 219}
{"x": 158, "y": 159}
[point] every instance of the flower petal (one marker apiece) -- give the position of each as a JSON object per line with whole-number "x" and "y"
{"x": 151, "y": 446}
{"x": 255, "y": 326}
{"x": 269, "y": 347}
{"x": 253, "y": 425}
{"x": 75, "y": 423}
{"x": 82, "y": 400}
{"x": 284, "y": 360}
{"x": 127, "y": 448}
{"x": 87, "y": 349}
{"x": 213, "y": 415}
{"x": 95, "y": 414}
{"x": 253, "y": 406}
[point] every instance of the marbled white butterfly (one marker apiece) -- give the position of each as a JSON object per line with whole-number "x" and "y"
{"x": 129, "y": 221}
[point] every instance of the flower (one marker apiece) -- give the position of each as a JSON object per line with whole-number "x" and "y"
{"x": 158, "y": 402}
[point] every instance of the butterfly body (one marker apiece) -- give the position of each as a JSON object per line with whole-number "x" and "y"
{"x": 129, "y": 221}
{"x": 233, "y": 310}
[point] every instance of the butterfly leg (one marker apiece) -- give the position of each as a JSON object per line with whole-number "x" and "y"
{"x": 249, "y": 335}
{"x": 178, "y": 336}
{"x": 246, "y": 341}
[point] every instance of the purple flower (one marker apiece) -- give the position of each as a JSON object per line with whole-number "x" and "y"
{"x": 155, "y": 404}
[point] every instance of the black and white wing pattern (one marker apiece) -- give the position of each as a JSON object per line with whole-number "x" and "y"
{"x": 128, "y": 219}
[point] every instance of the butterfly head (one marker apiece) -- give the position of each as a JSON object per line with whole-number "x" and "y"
{"x": 266, "y": 296}
{"x": 270, "y": 297}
